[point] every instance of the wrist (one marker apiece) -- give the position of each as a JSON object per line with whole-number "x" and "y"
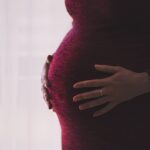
{"x": 144, "y": 80}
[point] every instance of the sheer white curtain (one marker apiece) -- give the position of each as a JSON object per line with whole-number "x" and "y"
{"x": 29, "y": 31}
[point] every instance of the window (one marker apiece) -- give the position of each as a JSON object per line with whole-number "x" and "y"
{"x": 30, "y": 30}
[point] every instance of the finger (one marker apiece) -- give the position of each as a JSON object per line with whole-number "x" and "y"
{"x": 88, "y": 95}
{"x": 107, "y": 68}
{"x": 104, "y": 110}
{"x": 46, "y": 94}
{"x": 49, "y": 59}
{"x": 94, "y": 103}
{"x": 44, "y": 78}
{"x": 44, "y": 71}
{"x": 46, "y": 65}
{"x": 46, "y": 83}
{"x": 92, "y": 83}
{"x": 47, "y": 100}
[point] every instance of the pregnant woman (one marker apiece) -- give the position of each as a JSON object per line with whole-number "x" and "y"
{"x": 110, "y": 108}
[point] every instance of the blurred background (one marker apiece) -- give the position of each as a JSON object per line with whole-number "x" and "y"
{"x": 29, "y": 31}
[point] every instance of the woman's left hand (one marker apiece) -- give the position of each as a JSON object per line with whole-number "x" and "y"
{"x": 121, "y": 86}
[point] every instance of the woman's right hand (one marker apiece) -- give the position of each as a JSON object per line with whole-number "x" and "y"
{"x": 45, "y": 82}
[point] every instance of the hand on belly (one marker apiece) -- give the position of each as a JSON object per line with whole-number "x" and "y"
{"x": 121, "y": 86}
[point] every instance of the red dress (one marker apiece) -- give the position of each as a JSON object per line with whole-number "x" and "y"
{"x": 103, "y": 32}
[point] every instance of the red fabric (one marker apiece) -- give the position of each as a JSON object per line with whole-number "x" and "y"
{"x": 103, "y": 32}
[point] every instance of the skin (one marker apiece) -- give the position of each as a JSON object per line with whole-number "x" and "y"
{"x": 121, "y": 86}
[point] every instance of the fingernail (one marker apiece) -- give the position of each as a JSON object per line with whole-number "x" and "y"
{"x": 76, "y": 98}
{"x": 76, "y": 85}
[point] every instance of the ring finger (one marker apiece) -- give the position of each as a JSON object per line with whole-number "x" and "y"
{"x": 88, "y": 95}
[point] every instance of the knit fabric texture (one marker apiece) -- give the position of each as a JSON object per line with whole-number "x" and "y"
{"x": 103, "y": 32}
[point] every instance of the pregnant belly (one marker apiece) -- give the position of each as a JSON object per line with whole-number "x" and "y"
{"x": 75, "y": 58}
{"x": 74, "y": 61}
